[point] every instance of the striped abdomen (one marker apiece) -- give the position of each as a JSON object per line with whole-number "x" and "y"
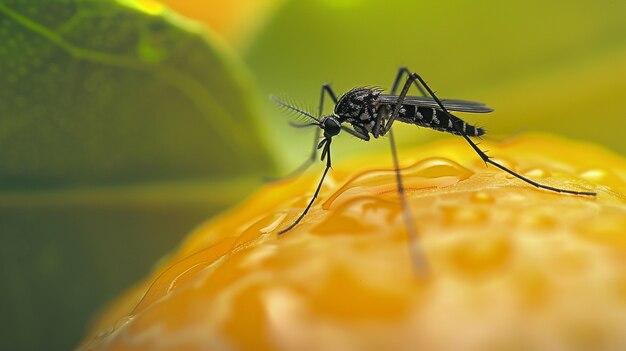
{"x": 435, "y": 119}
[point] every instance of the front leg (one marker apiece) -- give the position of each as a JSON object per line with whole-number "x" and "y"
{"x": 358, "y": 131}
{"x": 326, "y": 90}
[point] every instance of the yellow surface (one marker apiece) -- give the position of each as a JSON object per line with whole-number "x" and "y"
{"x": 511, "y": 267}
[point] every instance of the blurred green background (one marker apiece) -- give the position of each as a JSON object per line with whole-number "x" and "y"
{"x": 123, "y": 124}
{"x": 553, "y": 66}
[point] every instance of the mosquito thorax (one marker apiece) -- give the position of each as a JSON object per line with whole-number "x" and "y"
{"x": 353, "y": 103}
{"x": 331, "y": 125}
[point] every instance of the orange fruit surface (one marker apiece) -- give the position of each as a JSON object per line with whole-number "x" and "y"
{"x": 509, "y": 266}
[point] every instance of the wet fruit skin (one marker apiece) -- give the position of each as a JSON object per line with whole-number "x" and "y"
{"x": 511, "y": 267}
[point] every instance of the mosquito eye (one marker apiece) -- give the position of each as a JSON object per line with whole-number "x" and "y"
{"x": 332, "y": 126}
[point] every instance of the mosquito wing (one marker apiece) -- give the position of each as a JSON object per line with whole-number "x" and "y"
{"x": 450, "y": 104}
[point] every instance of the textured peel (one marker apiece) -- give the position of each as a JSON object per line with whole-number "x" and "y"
{"x": 511, "y": 267}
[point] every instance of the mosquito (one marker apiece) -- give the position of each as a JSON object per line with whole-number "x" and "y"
{"x": 366, "y": 111}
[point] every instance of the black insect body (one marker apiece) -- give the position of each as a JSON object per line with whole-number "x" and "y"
{"x": 369, "y": 112}
{"x": 362, "y": 106}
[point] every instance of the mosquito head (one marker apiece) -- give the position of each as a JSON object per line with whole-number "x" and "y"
{"x": 331, "y": 125}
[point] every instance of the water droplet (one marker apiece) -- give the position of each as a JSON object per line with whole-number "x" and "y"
{"x": 428, "y": 173}
{"x": 107, "y": 334}
{"x": 537, "y": 173}
{"x": 462, "y": 215}
{"x": 122, "y": 322}
{"x": 594, "y": 175}
{"x": 605, "y": 228}
{"x": 604, "y": 177}
{"x": 264, "y": 225}
{"x": 481, "y": 197}
{"x": 480, "y": 254}
{"x": 539, "y": 221}
{"x": 360, "y": 215}
{"x": 178, "y": 273}
{"x": 540, "y": 218}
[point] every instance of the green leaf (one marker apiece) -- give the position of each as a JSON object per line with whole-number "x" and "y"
{"x": 100, "y": 94}
{"x": 121, "y": 128}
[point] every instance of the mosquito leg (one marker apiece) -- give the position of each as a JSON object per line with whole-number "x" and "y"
{"x": 326, "y": 89}
{"x": 304, "y": 166}
{"x": 396, "y": 82}
{"x": 326, "y": 153}
{"x": 358, "y": 132}
{"x": 418, "y": 258}
{"x": 394, "y": 89}
{"x": 396, "y": 109}
{"x": 487, "y": 159}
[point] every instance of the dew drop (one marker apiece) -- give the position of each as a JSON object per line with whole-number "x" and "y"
{"x": 178, "y": 273}
{"x": 537, "y": 173}
{"x": 481, "y": 197}
{"x": 594, "y": 175}
{"x": 360, "y": 215}
{"x": 109, "y": 333}
{"x": 480, "y": 254}
{"x": 463, "y": 215}
{"x": 539, "y": 221}
{"x": 122, "y": 322}
{"x": 607, "y": 228}
{"x": 428, "y": 173}
{"x": 263, "y": 226}
{"x": 603, "y": 176}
